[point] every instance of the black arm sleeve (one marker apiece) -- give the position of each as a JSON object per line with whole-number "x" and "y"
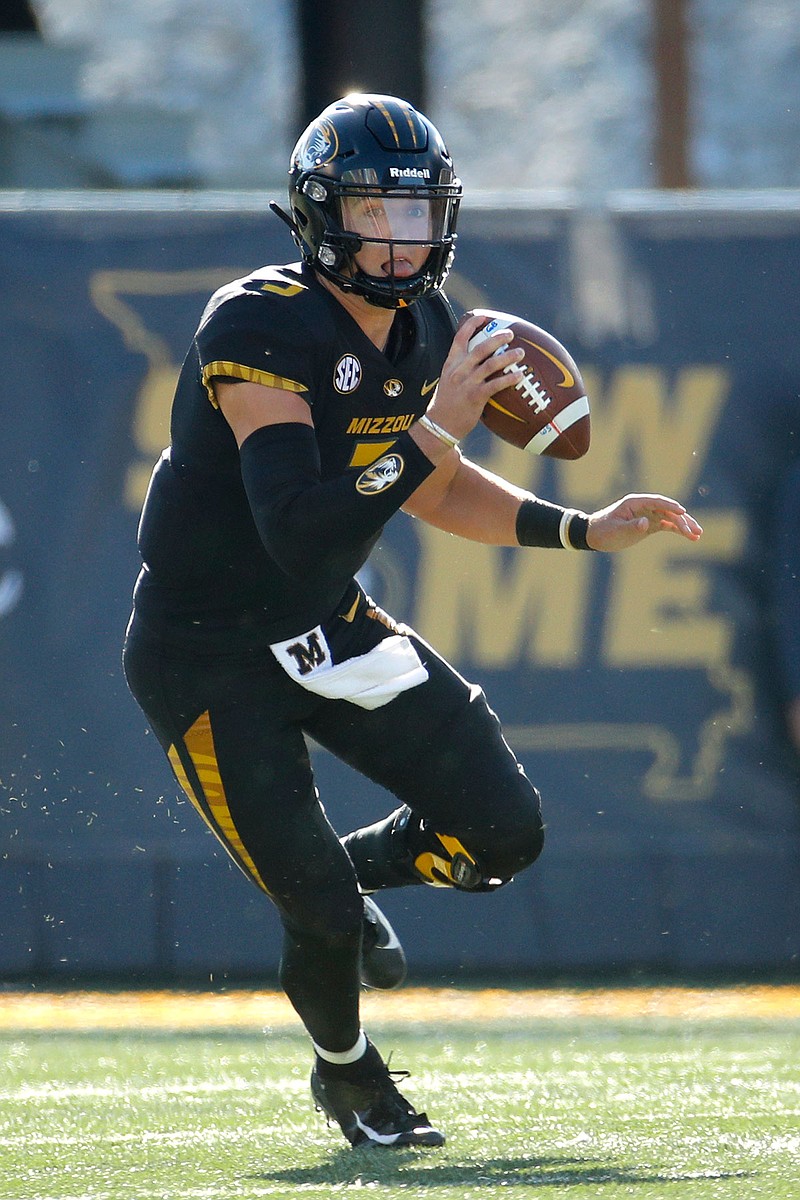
{"x": 308, "y": 524}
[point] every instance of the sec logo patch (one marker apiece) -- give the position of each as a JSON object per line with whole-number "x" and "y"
{"x": 381, "y": 475}
{"x": 347, "y": 374}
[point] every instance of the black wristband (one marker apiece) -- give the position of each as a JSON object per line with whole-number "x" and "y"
{"x": 540, "y": 523}
{"x": 577, "y": 529}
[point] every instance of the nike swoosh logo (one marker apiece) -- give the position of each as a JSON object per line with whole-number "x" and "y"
{"x": 569, "y": 379}
{"x": 383, "y": 1139}
{"x": 500, "y": 408}
{"x": 350, "y": 615}
{"x": 428, "y": 387}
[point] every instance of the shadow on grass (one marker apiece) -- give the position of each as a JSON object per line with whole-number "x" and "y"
{"x": 405, "y": 1166}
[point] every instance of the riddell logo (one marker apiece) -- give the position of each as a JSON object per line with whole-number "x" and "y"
{"x": 409, "y": 172}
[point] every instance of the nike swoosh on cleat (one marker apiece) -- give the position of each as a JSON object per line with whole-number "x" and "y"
{"x": 383, "y": 1139}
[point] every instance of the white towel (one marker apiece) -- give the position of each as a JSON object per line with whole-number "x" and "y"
{"x": 368, "y": 680}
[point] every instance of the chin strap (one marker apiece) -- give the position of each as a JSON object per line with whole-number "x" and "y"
{"x": 349, "y": 244}
{"x": 284, "y": 216}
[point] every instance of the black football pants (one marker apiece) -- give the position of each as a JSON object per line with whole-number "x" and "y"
{"x": 233, "y": 728}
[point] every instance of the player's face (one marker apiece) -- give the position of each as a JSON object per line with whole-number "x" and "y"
{"x": 383, "y": 222}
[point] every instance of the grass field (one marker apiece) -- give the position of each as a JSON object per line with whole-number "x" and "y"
{"x": 679, "y": 1094}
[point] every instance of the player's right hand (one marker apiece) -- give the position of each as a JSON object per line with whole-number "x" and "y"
{"x": 470, "y": 378}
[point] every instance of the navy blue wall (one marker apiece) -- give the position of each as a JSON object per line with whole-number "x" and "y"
{"x": 640, "y": 692}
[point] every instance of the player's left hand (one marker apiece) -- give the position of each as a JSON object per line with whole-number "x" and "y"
{"x": 634, "y": 518}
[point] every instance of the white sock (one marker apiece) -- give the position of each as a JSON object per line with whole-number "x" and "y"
{"x": 340, "y": 1057}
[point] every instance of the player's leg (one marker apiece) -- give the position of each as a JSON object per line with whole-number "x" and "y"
{"x": 469, "y": 817}
{"x": 234, "y": 741}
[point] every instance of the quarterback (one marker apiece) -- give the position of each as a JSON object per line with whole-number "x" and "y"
{"x": 316, "y": 400}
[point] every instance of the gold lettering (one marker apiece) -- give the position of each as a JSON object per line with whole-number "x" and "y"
{"x": 494, "y": 607}
{"x": 660, "y": 606}
{"x": 384, "y": 425}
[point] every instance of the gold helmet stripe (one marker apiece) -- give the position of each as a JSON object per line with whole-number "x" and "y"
{"x": 411, "y": 125}
{"x": 388, "y": 116}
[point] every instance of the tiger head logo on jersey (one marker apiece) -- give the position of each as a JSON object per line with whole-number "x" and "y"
{"x": 381, "y": 475}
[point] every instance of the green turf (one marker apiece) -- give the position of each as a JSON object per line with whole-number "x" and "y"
{"x": 570, "y": 1109}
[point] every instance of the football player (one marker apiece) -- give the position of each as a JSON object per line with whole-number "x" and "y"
{"x": 316, "y": 400}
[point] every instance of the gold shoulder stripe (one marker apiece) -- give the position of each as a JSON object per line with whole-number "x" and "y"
{"x": 240, "y": 371}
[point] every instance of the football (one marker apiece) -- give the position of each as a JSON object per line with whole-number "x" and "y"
{"x": 544, "y": 409}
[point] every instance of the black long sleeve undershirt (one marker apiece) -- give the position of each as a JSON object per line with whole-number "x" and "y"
{"x": 308, "y": 524}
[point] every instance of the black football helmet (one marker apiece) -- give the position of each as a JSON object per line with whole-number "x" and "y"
{"x": 372, "y": 171}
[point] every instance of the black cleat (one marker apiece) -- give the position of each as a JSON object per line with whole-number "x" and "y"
{"x": 383, "y": 963}
{"x": 372, "y": 1112}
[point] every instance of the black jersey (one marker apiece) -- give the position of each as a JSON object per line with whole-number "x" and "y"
{"x": 206, "y": 572}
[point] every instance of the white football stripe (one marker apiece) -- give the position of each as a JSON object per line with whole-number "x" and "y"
{"x": 497, "y": 322}
{"x": 567, "y": 417}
